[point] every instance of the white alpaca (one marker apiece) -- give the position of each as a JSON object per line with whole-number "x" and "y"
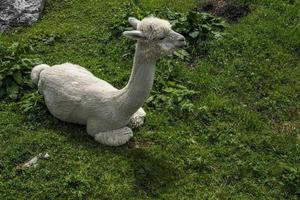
{"x": 73, "y": 94}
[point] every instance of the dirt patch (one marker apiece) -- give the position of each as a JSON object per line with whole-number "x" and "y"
{"x": 226, "y": 9}
{"x": 290, "y": 128}
{"x": 139, "y": 145}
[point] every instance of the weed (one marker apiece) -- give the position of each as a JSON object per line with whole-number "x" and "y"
{"x": 171, "y": 91}
{"x": 31, "y": 102}
{"x": 199, "y": 29}
{"x": 172, "y": 98}
{"x": 32, "y": 106}
{"x": 15, "y": 66}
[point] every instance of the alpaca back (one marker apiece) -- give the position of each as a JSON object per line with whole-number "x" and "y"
{"x": 72, "y": 93}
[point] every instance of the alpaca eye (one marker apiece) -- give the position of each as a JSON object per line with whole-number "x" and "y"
{"x": 162, "y": 38}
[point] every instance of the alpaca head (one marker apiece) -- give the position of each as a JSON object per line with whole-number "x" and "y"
{"x": 156, "y": 35}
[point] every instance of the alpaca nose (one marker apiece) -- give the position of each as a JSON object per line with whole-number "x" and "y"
{"x": 181, "y": 39}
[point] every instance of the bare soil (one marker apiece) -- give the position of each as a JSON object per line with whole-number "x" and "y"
{"x": 226, "y": 9}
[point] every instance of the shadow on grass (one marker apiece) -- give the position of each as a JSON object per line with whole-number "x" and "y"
{"x": 153, "y": 171}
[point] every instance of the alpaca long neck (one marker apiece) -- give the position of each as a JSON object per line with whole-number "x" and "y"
{"x": 140, "y": 83}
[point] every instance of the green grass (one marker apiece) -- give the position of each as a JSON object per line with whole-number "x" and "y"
{"x": 242, "y": 141}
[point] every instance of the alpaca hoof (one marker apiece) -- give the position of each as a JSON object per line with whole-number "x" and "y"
{"x": 137, "y": 119}
{"x": 136, "y": 122}
{"x": 115, "y": 137}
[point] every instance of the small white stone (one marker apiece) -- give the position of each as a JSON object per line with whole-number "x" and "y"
{"x": 46, "y": 155}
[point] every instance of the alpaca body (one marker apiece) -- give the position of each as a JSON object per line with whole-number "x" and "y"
{"x": 73, "y": 94}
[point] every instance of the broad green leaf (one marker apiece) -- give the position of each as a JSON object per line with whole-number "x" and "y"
{"x": 194, "y": 34}
{"x": 151, "y": 98}
{"x": 182, "y": 54}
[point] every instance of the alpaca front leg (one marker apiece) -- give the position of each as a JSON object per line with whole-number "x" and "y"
{"x": 114, "y": 137}
{"x": 137, "y": 118}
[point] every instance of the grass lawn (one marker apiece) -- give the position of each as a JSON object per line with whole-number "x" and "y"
{"x": 241, "y": 141}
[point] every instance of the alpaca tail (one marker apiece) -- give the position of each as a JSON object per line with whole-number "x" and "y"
{"x": 36, "y": 71}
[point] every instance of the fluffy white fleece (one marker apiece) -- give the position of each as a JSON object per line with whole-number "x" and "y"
{"x": 73, "y": 94}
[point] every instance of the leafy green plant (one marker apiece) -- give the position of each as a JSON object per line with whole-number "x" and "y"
{"x": 33, "y": 106}
{"x": 31, "y": 102}
{"x": 15, "y": 66}
{"x": 171, "y": 92}
{"x": 172, "y": 98}
{"x": 199, "y": 29}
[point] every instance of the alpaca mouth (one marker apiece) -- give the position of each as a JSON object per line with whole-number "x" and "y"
{"x": 177, "y": 47}
{"x": 181, "y": 45}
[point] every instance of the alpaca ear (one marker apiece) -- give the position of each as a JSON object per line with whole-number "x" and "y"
{"x": 134, "y": 34}
{"x": 133, "y": 22}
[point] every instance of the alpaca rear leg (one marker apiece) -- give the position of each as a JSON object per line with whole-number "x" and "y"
{"x": 114, "y": 137}
{"x": 137, "y": 118}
